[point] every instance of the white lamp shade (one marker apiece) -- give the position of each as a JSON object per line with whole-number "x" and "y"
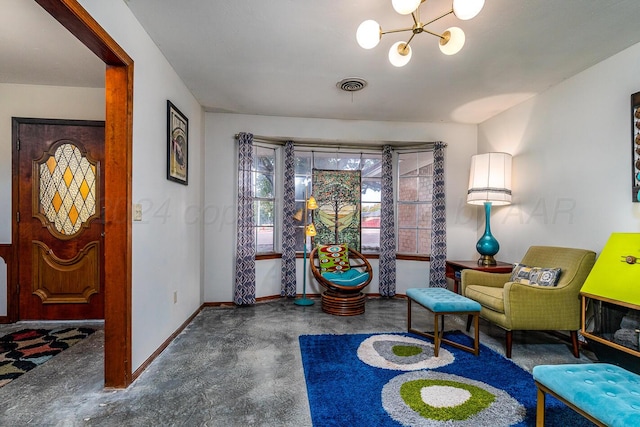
{"x": 467, "y": 9}
{"x": 490, "y": 179}
{"x": 369, "y": 34}
{"x": 396, "y": 58}
{"x": 453, "y": 41}
{"x": 405, "y": 7}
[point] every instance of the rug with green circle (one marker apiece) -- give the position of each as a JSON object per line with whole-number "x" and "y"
{"x": 394, "y": 379}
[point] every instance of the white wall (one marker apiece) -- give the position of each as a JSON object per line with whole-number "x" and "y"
{"x": 220, "y": 192}
{"x": 167, "y": 243}
{"x": 43, "y": 102}
{"x": 572, "y": 161}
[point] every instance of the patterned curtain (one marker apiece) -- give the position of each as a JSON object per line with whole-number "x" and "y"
{"x": 387, "y": 261}
{"x": 245, "y": 289}
{"x": 288, "y": 266}
{"x": 438, "y": 221}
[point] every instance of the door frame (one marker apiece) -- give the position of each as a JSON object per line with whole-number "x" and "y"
{"x": 117, "y": 187}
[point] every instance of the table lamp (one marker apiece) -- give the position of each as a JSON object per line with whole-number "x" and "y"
{"x": 489, "y": 183}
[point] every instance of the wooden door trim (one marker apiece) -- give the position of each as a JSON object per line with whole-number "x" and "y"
{"x": 6, "y": 253}
{"x": 118, "y": 190}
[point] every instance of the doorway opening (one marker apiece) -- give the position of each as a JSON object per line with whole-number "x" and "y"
{"x": 117, "y": 187}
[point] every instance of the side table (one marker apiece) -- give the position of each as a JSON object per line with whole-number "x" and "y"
{"x": 453, "y": 269}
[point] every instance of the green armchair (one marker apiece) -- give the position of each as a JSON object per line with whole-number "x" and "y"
{"x": 515, "y": 306}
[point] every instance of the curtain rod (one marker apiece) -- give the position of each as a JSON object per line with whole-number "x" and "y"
{"x": 351, "y": 145}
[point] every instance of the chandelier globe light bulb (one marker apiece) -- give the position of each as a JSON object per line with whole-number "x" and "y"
{"x": 467, "y": 9}
{"x": 453, "y": 41}
{"x": 369, "y": 34}
{"x": 405, "y": 7}
{"x": 399, "y": 54}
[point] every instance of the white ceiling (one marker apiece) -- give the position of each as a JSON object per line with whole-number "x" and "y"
{"x": 36, "y": 49}
{"x": 284, "y": 57}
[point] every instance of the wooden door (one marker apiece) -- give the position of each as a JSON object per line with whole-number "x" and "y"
{"x": 60, "y": 218}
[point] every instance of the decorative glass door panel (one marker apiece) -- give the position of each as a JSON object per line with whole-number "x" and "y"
{"x": 67, "y": 189}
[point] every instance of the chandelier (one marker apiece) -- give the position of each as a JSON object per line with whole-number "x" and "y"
{"x": 370, "y": 32}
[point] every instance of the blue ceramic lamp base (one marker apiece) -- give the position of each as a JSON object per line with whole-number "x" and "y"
{"x": 487, "y": 246}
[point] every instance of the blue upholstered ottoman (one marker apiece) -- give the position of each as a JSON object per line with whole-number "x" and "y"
{"x": 607, "y": 395}
{"x": 440, "y": 302}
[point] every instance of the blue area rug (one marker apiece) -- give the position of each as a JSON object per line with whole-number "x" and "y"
{"x": 394, "y": 380}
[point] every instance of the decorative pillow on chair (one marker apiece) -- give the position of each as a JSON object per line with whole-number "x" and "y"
{"x": 538, "y": 276}
{"x": 333, "y": 258}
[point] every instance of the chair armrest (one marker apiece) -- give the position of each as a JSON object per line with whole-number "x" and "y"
{"x": 541, "y": 307}
{"x": 482, "y": 278}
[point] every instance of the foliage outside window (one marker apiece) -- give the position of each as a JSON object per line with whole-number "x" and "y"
{"x": 414, "y": 194}
{"x": 264, "y": 200}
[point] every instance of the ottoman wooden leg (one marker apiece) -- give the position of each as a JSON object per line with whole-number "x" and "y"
{"x": 476, "y": 334}
{"x": 436, "y": 335}
{"x": 540, "y": 409}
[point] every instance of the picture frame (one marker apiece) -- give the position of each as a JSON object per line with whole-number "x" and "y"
{"x": 635, "y": 147}
{"x": 177, "y": 145}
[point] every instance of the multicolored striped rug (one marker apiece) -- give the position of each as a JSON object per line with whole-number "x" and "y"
{"x": 23, "y": 350}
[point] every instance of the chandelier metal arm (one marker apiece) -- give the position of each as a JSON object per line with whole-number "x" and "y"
{"x": 419, "y": 26}
{"x": 441, "y": 36}
{"x": 396, "y": 31}
{"x": 438, "y": 18}
{"x": 409, "y": 41}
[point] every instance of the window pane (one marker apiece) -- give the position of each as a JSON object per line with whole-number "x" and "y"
{"x": 408, "y": 189}
{"x": 424, "y": 158}
{"x": 348, "y": 163}
{"x": 407, "y": 215}
{"x": 264, "y": 239}
{"x": 264, "y": 164}
{"x": 424, "y": 241}
{"x": 425, "y": 189}
{"x": 263, "y": 211}
{"x": 263, "y": 185}
{"x": 371, "y": 166}
{"x": 370, "y": 241}
{"x": 371, "y": 215}
{"x": 407, "y": 165}
{"x": 264, "y": 159}
{"x": 300, "y": 238}
{"x": 303, "y": 163}
{"x": 324, "y": 161}
{"x": 407, "y": 241}
{"x": 424, "y": 215}
{"x": 371, "y": 190}
{"x": 300, "y": 186}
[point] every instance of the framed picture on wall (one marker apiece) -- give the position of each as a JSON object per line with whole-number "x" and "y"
{"x": 635, "y": 147}
{"x": 177, "y": 145}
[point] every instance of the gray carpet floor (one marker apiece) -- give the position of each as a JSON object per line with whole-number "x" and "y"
{"x": 229, "y": 367}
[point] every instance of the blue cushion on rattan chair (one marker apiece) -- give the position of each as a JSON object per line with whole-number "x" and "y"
{"x": 351, "y": 277}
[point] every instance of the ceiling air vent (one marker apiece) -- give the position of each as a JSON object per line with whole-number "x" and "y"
{"x": 351, "y": 84}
